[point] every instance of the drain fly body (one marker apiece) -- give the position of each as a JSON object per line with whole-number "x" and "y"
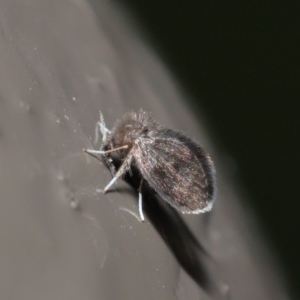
{"x": 173, "y": 164}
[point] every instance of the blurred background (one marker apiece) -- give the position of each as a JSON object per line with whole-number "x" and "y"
{"x": 240, "y": 63}
{"x": 62, "y": 61}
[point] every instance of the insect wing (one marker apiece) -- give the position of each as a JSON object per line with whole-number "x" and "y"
{"x": 178, "y": 170}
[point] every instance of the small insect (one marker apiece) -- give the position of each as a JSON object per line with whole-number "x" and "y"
{"x": 174, "y": 165}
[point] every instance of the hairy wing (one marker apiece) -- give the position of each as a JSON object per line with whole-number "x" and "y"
{"x": 179, "y": 170}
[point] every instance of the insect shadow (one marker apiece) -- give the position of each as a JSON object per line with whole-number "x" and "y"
{"x": 187, "y": 250}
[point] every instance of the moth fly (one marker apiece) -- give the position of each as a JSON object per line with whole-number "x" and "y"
{"x": 173, "y": 164}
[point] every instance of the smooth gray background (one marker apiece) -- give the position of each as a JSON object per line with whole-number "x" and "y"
{"x": 61, "y": 62}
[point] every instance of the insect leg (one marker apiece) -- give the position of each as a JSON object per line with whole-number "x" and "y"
{"x": 122, "y": 170}
{"x": 141, "y": 202}
{"x": 91, "y": 151}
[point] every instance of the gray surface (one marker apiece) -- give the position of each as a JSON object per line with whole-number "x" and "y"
{"x": 61, "y": 62}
